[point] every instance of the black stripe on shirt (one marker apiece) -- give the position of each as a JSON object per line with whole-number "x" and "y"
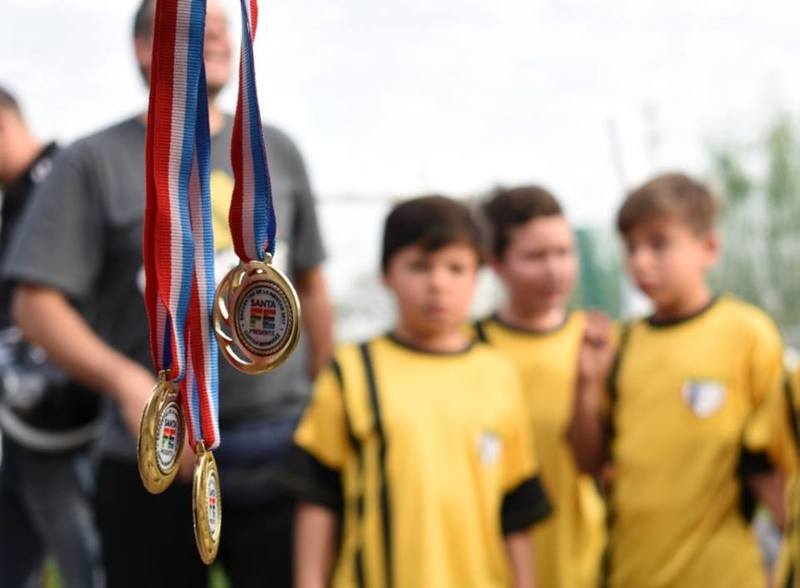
{"x": 608, "y": 440}
{"x": 358, "y": 556}
{"x": 384, "y": 482}
{"x": 751, "y": 463}
{"x": 524, "y": 506}
{"x": 790, "y": 409}
{"x": 480, "y": 331}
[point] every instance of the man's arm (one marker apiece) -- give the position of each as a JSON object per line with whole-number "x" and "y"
{"x": 314, "y": 545}
{"x": 317, "y": 314}
{"x": 520, "y": 556}
{"x": 48, "y": 319}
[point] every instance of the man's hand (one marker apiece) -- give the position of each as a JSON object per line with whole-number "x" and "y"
{"x": 133, "y": 385}
{"x": 186, "y": 469}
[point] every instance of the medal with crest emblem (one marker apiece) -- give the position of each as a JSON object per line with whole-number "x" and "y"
{"x": 161, "y": 436}
{"x": 206, "y": 506}
{"x": 256, "y": 317}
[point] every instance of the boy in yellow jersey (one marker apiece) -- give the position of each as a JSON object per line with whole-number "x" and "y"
{"x": 533, "y": 254}
{"x": 415, "y": 462}
{"x": 687, "y": 427}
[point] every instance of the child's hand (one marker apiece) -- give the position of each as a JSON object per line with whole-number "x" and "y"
{"x": 596, "y": 355}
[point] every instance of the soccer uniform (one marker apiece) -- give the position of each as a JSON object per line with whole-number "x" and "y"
{"x": 427, "y": 457}
{"x": 568, "y": 545}
{"x": 690, "y": 419}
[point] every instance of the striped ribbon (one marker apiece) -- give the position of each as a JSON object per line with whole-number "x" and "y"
{"x": 178, "y": 242}
{"x": 252, "y": 215}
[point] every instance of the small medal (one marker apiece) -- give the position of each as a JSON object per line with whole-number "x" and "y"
{"x": 161, "y": 435}
{"x": 206, "y": 506}
{"x": 256, "y": 317}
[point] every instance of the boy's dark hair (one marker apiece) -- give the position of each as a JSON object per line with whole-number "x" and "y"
{"x": 671, "y": 195}
{"x": 431, "y": 222}
{"x": 508, "y": 209}
{"x": 144, "y": 18}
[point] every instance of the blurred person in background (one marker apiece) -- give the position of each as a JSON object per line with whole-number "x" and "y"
{"x": 48, "y": 422}
{"x": 83, "y": 241}
{"x": 685, "y": 414}
{"x": 415, "y": 462}
{"x": 533, "y": 253}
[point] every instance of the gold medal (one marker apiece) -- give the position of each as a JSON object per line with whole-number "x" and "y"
{"x": 161, "y": 433}
{"x": 206, "y": 505}
{"x": 256, "y": 317}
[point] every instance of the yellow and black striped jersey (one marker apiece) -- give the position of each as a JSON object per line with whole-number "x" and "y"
{"x": 569, "y": 544}
{"x": 690, "y": 416}
{"x": 429, "y": 459}
{"x": 788, "y": 568}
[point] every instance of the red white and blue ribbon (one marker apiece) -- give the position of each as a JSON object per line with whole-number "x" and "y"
{"x": 201, "y": 383}
{"x": 252, "y": 215}
{"x": 178, "y": 242}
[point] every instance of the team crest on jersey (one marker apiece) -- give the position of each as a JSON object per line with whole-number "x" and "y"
{"x": 489, "y": 447}
{"x": 704, "y": 397}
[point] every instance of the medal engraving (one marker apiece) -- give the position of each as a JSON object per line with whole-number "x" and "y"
{"x": 161, "y": 435}
{"x": 206, "y": 506}
{"x": 256, "y": 317}
{"x": 170, "y": 427}
{"x": 263, "y": 318}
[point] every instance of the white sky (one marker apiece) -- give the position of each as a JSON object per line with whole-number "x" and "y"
{"x": 391, "y": 98}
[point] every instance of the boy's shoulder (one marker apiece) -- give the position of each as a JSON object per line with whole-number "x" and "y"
{"x": 489, "y": 358}
{"x": 479, "y": 354}
{"x": 731, "y": 315}
{"x": 575, "y": 319}
{"x": 747, "y": 318}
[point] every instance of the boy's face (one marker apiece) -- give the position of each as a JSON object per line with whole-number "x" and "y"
{"x": 433, "y": 289}
{"x": 540, "y": 264}
{"x": 668, "y": 260}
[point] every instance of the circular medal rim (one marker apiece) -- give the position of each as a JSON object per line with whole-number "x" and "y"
{"x": 241, "y": 297}
{"x": 154, "y": 479}
{"x": 207, "y": 543}
{"x": 236, "y": 279}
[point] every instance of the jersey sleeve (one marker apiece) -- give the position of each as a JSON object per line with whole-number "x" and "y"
{"x": 767, "y": 441}
{"x": 58, "y": 242}
{"x": 321, "y": 444}
{"x": 524, "y": 502}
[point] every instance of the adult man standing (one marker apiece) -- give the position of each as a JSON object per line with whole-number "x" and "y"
{"x": 48, "y": 422}
{"x": 85, "y": 244}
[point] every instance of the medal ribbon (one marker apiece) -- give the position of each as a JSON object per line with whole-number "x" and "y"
{"x": 178, "y": 242}
{"x": 252, "y": 215}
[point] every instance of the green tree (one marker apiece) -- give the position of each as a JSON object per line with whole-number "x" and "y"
{"x": 759, "y": 182}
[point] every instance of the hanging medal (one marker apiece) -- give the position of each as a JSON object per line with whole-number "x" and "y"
{"x": 161, "y": 435}
{"x": 256, "y": 310}
{"x": 179, "y": 261}
{"x": 200, "y": 385}
{"x": 168, "y": 264}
